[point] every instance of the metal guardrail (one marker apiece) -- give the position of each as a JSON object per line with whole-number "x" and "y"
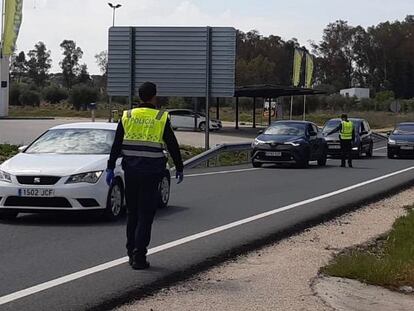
{"x": 215, "y": 152}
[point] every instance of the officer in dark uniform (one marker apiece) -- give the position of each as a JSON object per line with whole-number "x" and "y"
{"x": 347, "y": 137}
{"x": 141, "y": 138}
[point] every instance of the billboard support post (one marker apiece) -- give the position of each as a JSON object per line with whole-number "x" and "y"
{"x": 208, "y": 87}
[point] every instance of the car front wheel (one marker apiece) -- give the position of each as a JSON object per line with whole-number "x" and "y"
{"x": 115, "y": 201}
{"x": 256, "y": 164}
{"x": 202, "y": 126}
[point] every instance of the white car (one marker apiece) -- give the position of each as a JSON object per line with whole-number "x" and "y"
{"x": 64, "y": 169}
{"x": 189, "y": 119}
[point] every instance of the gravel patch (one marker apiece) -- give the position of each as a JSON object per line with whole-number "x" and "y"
{"x": 280, "y": 276}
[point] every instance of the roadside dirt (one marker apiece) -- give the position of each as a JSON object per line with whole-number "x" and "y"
{"x": 280, "y": 277}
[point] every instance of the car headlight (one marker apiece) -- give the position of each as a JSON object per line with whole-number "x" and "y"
{"x": 355, "y": 148}
{"x": 5, "y": 177}
{"x": 391, "y": 141}
{"x": 90, "y": 178}
{"x": 257, "y": 142}
{"x": 294, "y": 143}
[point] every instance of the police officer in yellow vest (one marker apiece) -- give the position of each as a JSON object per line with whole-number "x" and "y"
{"x": 347, "y": 137}
{"x": 140, "y": 138}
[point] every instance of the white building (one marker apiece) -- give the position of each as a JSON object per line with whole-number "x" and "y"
{"x": 357, "y": 92}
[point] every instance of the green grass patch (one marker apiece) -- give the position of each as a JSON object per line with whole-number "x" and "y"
{"x": 387, "y": 262}
{"x": 7, "y": 151}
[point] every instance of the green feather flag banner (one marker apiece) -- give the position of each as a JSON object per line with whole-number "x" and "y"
{"x": 309, "y": 70}
{"x": 297, "y": 66}
{"x": 12, "y": 20}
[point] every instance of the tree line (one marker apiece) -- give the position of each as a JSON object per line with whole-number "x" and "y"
{"x": 380, "y": 57}
{"x": 31, "y": 80}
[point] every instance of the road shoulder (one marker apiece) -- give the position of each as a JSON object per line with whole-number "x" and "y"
{"x": 279, "y": 277}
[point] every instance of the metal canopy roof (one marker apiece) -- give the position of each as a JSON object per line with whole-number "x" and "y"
{"x": 273, "y": 91}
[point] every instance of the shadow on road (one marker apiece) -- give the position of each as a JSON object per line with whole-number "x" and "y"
{"x": 80, "y": 219}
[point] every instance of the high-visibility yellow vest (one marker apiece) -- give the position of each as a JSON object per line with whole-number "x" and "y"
{"x": 347, "y": 129}
{"x": 144, "y": 131}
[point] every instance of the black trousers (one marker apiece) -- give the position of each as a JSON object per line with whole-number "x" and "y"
{"x": 142, "y": 198}
{"x": 346, "y": 152}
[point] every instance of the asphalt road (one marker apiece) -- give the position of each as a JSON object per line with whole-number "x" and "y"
{"x": 211, "y": 213}
{"x": 22, "y": 132}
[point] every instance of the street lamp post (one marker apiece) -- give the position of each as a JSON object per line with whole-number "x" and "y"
{"x": 114, "y": 7}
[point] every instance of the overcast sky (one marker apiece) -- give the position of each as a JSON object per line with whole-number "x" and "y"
{"x": 87, "y": 21}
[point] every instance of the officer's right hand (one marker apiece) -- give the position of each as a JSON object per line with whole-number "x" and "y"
{"x": 109, "y": 176}
{"x": 179, "y": 176}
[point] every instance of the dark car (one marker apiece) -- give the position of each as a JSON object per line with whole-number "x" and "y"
{"x": 296, "y": 142}
{"x": 401, "y": 141}
{"x": 364, "y": 143}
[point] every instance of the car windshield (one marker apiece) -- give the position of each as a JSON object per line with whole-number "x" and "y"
{"x": 330, "y": 126}
{"x": 74, "y": 141}
{"x": 404, "y": 129}
{"x": 333, "y": 124}
{"x": 290, "y": 129}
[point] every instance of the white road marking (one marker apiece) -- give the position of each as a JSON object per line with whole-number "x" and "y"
{"x": 380, "y": 148}
{"x": 108, "y": 265}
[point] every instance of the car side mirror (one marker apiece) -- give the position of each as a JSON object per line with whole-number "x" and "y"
{"x": 389, "y": 133}
{"x": 313, "y": 134}
{"x": 22, "y": 148}
{"x": 260, "y": 132}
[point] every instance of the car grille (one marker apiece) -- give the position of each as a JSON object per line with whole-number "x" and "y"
{"x": 37, "y": 202}
{"x": 37, "y": 180}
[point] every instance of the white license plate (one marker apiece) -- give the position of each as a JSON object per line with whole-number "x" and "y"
{"x": 36, "y": 193}
{"x": 407, "y": 148}
{"x": 273, "y": 154}
{"x": 334, "y": 147}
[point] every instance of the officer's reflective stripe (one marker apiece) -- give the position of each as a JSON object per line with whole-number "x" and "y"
{"x": 143, "y": 143}
{"x": 143, "y": 154}
{"x": 160, "y": 114}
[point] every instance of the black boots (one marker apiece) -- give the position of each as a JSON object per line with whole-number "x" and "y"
{"x": 139, "y": 262}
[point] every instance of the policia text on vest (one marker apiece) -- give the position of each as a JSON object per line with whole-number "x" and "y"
{"x": 141, "y": 138}
{"x": 347, "y": 137}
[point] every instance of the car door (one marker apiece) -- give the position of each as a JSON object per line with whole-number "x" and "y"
{"x": 181, "y": 119}
{"x": 363, "y": 134}
{"x": 312, "y": 133}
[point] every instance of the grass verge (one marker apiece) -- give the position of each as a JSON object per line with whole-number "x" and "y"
{"x": 387, "y": 262}
{"x": 7, "y": 151}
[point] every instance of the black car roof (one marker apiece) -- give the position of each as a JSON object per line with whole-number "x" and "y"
{"x": 292, "y": 121}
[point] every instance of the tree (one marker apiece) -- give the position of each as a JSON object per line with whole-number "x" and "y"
{"x": 336, "y": 54}
{"x": 70, "y": 63}
{"x": 82, "y": 95}
{"x": 102, "y": 62}
{"x": 18, "y": 67}
{"x": 54, "y": 94}
{"x": 39, "y": 64}
{"x": 84, "y": 77}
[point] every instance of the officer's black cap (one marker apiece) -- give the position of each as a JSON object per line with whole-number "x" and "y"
{"x": 147, "y": 91}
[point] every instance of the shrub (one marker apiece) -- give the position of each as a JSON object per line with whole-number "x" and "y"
{"x": 82, "y": 95}
{"x": 384, "y": 96}
{"x": 54, "y": 94}
{"x": 29, "y": 97}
